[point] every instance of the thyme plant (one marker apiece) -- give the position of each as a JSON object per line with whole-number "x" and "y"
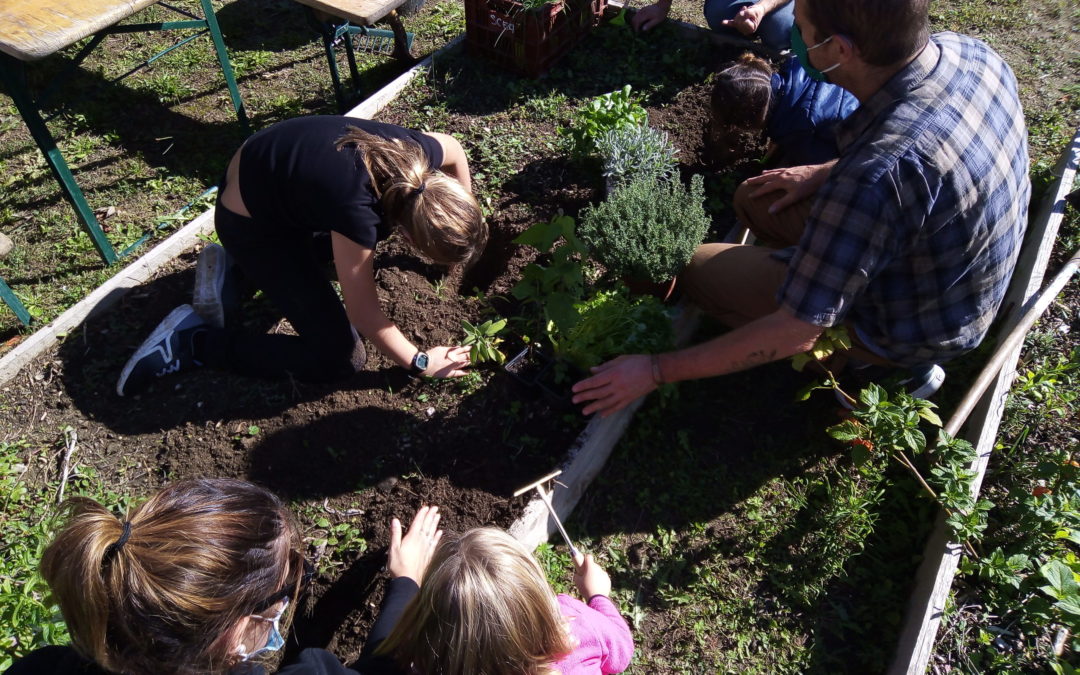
{"x": 648, "y": 228}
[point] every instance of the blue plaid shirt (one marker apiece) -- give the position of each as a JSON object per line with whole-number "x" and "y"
{"x": 915, "y": 233}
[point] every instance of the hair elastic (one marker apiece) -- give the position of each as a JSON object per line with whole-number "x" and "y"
{"x": 419, "y": 190}
{"x": 115, "y": 547}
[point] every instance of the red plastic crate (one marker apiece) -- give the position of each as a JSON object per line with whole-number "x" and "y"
{"x": 528, "y": 42}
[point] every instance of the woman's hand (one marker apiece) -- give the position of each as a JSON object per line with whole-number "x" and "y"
{"x": 447, "y": 362}
{"x": 410, "y": 555}
{"x": 590, "y": 578}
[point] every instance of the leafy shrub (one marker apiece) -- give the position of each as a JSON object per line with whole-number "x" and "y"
{"x": 647, "y": 228}
{"x": 636, "y": 151}
{"x": 614, "y": 110}
{"x": 612, "y": 323}
{"x": 553, "y": 287}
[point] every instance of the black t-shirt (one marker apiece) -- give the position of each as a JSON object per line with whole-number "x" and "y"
{"x": 291, "y": 177}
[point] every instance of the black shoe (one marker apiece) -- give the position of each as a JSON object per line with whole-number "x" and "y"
{"x": 169, "y": 349}
{"x": 216, "y": 295}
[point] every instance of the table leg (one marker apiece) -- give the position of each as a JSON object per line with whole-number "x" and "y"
{"x": 226, "y": 65}
{"x": 13, "y": 78}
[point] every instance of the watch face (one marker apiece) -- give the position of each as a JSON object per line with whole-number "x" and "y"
{"x": 421, "y": 361}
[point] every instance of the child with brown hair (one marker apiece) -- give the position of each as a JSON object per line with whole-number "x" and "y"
{"x": 197, "y": 580}
{"x": 295, "y": 196}
{"x": 796, "y": 112}
{"x": 486, "y": 607}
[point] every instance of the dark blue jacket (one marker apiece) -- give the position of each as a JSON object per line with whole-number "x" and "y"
{"x": 804, "y": 114}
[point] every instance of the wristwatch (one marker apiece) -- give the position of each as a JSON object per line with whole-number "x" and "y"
{"x": 419, "y": 363}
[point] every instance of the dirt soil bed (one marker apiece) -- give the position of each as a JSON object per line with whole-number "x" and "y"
{"x": 349, "y": 457}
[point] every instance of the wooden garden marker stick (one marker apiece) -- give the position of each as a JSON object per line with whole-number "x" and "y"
{"x": 545, "y": 497}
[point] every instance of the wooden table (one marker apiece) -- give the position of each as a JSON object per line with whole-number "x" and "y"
{"x": 31, "y": 30}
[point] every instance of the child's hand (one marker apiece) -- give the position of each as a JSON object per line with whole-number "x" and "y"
{"x": 447, "y": 361}
{"x": 409, "y": 555}
{"x": 590, "y": 578}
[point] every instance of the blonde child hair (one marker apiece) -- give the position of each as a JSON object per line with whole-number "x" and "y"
{"x": 442, "y": 218}
{"x": 485, "y": 608}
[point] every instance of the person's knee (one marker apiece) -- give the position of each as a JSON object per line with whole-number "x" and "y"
{"x": 338, "y": 358}
{"x": 718, "y": 11}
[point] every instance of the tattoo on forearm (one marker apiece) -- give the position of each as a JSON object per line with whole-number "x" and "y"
{"x": 754, "y": 359}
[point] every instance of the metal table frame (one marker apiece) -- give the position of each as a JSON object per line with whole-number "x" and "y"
{"x": 13, "y": 80}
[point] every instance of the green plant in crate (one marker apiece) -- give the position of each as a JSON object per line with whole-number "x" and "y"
{"x": 636, "y": 151}
{"x": 614, "y": 110}
{"x": 484, "y": 341}
{"x": 612, "y": 323}
{"x": 647, "y": 229}
{"x": 553, "y": 288}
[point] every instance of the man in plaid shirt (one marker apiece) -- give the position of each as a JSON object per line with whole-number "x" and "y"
{"x": 909, "y": 239}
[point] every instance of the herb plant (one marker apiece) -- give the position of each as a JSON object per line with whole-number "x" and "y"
{"x": 553, "y": 288}
{"x": 484, "y": 341}
{"x": 636, "y": 151}
{"x": 614, "y": 110}
{"x": 612, "y": 323}
{"x": 647, "y": 229}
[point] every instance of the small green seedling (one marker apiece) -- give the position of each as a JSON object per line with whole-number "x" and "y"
{"x": 484, "y": 340}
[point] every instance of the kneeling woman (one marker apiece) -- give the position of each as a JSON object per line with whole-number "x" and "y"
{"x": 286, "y": 189}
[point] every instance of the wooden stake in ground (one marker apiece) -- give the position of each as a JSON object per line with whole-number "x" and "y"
{"x": 545, "y": 497}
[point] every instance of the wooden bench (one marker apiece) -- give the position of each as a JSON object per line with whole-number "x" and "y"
{"x": 337, "y": 19}
{"x": 31, "y": 30}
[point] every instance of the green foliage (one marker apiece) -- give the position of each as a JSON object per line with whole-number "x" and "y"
{"x": 553, "y": 288}
{"x": 484, "y": 341}
{"x": 635, "y": 151}
{"x": 647, "y": 228}
{"x": 614, "y": 110}
{"x": 612, "y": 323}
{"x": 28, "y": 616}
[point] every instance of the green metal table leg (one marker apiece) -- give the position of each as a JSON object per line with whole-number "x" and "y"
{"x": 226, "y": 65}
{"x": 11, "y": 301}
{"x": 11, "y": 75}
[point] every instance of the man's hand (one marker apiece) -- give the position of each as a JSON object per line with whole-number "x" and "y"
{"x": 447, "y": 362}
{"x": 615, "y": 384}
{"x": 747, "y": 20}
{"x": 409, "y": 555}
{"x": 590, "y": 578}
{"x": 649, "y": 17}
{"x": 797, "y": 182}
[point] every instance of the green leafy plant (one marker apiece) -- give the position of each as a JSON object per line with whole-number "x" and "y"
{"x": 484, "y": 341}
{"x": 612, "y": 323}
{"x": 647, "y": 229}
{"x": 636, "y": 151}
{"x": 614, "y": 110}
{"x": 553, "y": 288}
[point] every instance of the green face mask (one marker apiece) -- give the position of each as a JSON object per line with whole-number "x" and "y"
{"x": 798, "y": 45}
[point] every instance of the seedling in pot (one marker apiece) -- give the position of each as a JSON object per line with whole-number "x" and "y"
{"x": 484, "y": 341}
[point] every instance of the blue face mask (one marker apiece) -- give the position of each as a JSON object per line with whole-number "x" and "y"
{"x": 798, "y": 45}
{"x": 274, "y": 641}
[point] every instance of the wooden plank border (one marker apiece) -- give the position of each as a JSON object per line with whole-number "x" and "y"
{"x": 941, "y": 556}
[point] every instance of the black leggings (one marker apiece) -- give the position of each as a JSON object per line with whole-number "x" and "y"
{"x": 288, "y": 268}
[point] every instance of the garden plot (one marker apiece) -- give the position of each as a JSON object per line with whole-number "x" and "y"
{"x": 737, "y": 534}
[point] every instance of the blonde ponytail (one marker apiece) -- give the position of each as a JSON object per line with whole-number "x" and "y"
{"x": 441, "y": 217}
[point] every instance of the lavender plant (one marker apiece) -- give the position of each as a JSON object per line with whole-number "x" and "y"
{"x": 634, "y": 151}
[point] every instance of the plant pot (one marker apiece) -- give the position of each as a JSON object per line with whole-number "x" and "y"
{"x": 538, "y": 370}
{"x": 528, "y": 41}
{"x": 664, "y": 290}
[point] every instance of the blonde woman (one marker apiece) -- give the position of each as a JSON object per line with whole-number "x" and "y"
{"x": 295, "y": 196}
{"x": 195, "y": 581}
{"x": 486, "y": 607}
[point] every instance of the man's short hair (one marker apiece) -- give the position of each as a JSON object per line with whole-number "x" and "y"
{"x": 887, "y": 32}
